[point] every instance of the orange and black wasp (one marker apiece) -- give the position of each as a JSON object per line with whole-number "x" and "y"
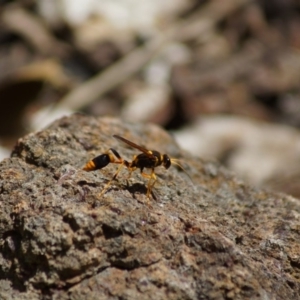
{"x": 148, "y": 159}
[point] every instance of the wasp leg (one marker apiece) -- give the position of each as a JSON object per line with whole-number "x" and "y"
{"x": 130, "y": 169}
{"x": 122, "y": 164}
{"x": 151, "y": 176}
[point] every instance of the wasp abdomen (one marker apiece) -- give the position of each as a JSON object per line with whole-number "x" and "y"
{"x": 97, "y": 163}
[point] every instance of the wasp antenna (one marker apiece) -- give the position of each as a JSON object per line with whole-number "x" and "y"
{"x": 175, "y": 162}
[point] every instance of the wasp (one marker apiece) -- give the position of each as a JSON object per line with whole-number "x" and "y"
{"x": 147, "y": 159}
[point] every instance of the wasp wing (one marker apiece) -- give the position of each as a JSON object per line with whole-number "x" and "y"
{"x": 144, "y": 150}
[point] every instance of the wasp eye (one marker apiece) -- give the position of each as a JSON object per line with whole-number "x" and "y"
{"x": 166, "y": 161}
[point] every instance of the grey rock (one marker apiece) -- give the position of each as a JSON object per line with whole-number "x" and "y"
{"x": 215, "y": 238}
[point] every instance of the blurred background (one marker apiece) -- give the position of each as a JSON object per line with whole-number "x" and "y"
{"x": 221, "y": 76}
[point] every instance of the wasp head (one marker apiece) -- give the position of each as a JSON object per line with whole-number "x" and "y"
{"x": 166, "y": 161}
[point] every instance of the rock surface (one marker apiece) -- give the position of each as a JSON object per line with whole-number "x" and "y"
{"x": 217, "y": 238}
